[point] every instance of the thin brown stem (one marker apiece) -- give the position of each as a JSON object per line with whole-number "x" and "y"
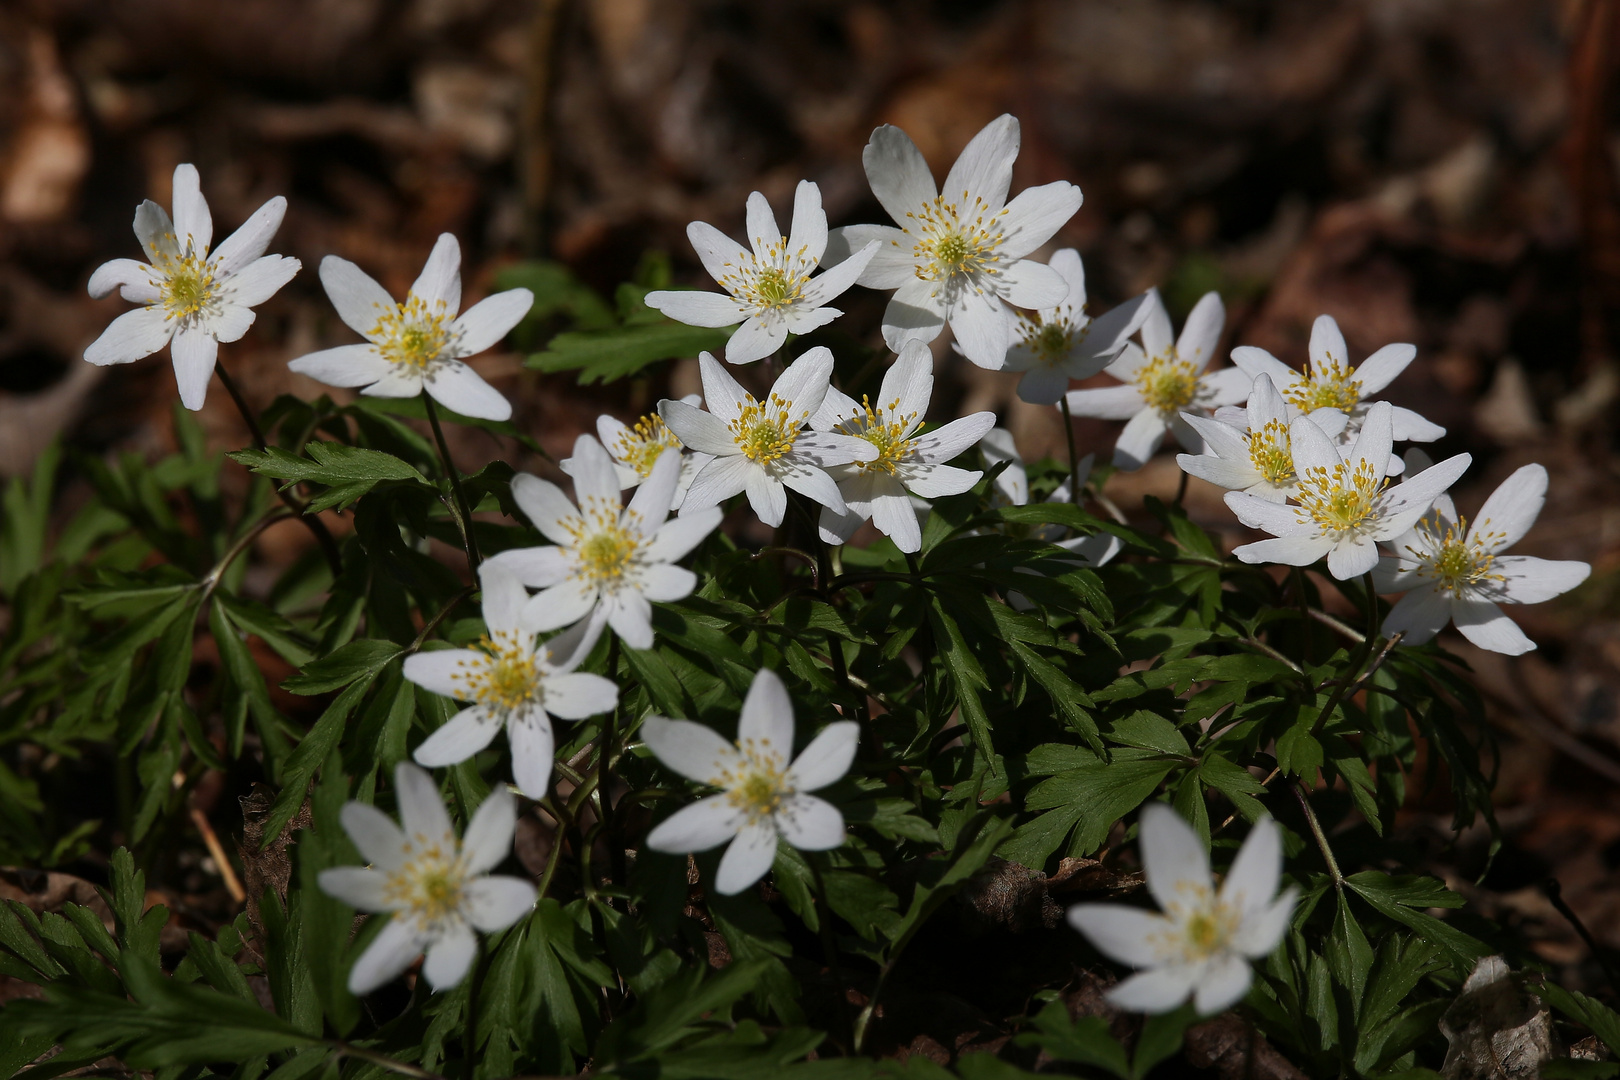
{"x": 317, "y": 527}
{"x": 383, "y": 1061}
{"x": 463, "y": 508}
{"x": 1074, "y": 453}
{"x": 1321, "y": 837}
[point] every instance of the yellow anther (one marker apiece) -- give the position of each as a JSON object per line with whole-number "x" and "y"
{"x": 952, "y": 241}
{"x": 639, "y": 446}
{"x": 758, "y": 784}
{"x": 766, "y": 432}
{"x": 1341, "y": 499}
{"x": 1328, "y": 386}
{"x": 889, "y": 436}
{"x": 1271, "y": 453}
{"x": 1168, "y": 383}
{"x": 1454, "y": 561}
{"x": 414, "y": 335}
{"x": 510, "y": 679}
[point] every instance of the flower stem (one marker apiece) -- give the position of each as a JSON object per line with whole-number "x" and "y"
{"x": 1321, "y": 837}
{"x": 317, "y": 528}
{"x": 480, "y": 965}
{"x": 829, "y": 945}
{"x": 605, "y": 753}
{"x": 1358, "y": 658}
{"x": 463, "y": 508}
{"x": 382, "y": 1061}
{"x": 1074, "y": 455}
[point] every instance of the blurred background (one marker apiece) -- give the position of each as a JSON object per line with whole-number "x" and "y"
{"x": 1442, "y": 172}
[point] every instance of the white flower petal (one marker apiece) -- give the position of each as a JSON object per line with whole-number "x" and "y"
{"x": 261, "y": 279}
{"x": 916, "y": 312}
{"x": 1106, "y": 403}
{"x": 1380, "y": 369}
{"x": 379, "y": 841}
{"x": 1043, "y": 385}
{"x": 193, "y": 224}
{"x": 809, "y": 481}
{"x": 696, "y": 752}
{"x": 899, "y": 175}
{"x": 421, "y": 811}
{"x": 193, "y": 352}
{"x": 132, "y": 277}
{"x": 489, "y": 833}
{"x": 546, "y": 507}
{"x": 757, "y": 338}
{"x": 1225, "y": 981}
{"x": 451, "y": 956}
{"x": 1035, "y": 216}
{"x": 1123, "y": 934}
{"x": 357, "y": 886}
{"x": 983, "y": 172}
{"x": 1143, "y": 435}
{"x": 697, "y": 308}
{"x": 492, "y": 904}
{"x": 1251, "y": 883}
{"x": 1420, "y": 614}
{"x": 950, "y": 440}
{"x": 1158, "y": 990}
{"x": 766, "y": 496}
{"x": 675, "y": 539}
{"x": 716, "y": 482}
{"x": 664, "y": 583}
{"x": 748, "y": 858}
{"x": 1352, "y": 557}
{"x": 533, "y": 750}
{"x": 982, "y": 326}
{"x": 1287, "y": 550}
{"x": 130, "y": 337}
{"x": 346, "y": 365}
{"x": 536, "y": 567}
{"x": 489, "y": 320}
{"x": 463, "y": 735}
{"x": 939, "y": 481}
{"x": 767, "y": 716}
{"x": 1488, "y": 626}
{"x": 1512, "y": 508}
{"x": 389, "y": 954}
{"x": 896, "y": 518}
{"x": 1327, "y": 346}
{"x": 252, "y": 237}
{"x": 891, "y": 264}
{"x": 1262, "y": 932}
{"x": 1029, "y": 284}
{"x": 359, "y": 301}
{"x": 1531, "y": 580}
{"x": 826, "y": 759}
{"x": 705, "y": 824}
{"x": 835, "y": 281}
{"x": 457, "y": 386}
{"x": 763, "y": 232}
{"x": 440, "y": 280}
{"x": 438, "y": 671}
{"x": 807, "y": 236}
{"x": 1255, "y": 362}
{"x": 1172, "y": 856}
{"x": 630, "y": 616}
{"x": 578, "y": 694}
{"x": 810, "y": 824}
{"x": 1158, "y": 338}
{"x": 719, "y": 253}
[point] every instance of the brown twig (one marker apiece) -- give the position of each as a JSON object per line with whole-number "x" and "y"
{"x": 227, "y": 872}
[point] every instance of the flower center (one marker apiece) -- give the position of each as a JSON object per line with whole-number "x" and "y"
{"x": 759, "y": 785}
{"x": 639, "y": 446}
{"x": 765, "y": 433}
{"x": 1341, "y": 500}
{"x": 605, "y": 554}
{"x": 1167, "y": 383}
{"x": 889, "y": 437}
{"x": 511, "y": 678}
{"x": 428, "y": 884}
{"x": 413, "y": 336}
{"x": 188, "y": 284}
{"x": 1452, "y": 560}
{"x": 1270, "y": 453}
{"x": 1329, "y": 386}
{"x": 770, "y": 280}
{"x": 951, "y": 243}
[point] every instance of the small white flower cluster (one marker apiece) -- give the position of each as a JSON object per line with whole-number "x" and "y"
{"x": 1307, "y": 457}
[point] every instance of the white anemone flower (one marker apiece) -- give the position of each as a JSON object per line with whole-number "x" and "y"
{"x": 1253, "y": 456}
{"x": 515, "y": 682}
{"x": 609, "y": 561}
{"x": 636, "y": 448}
{"x": 958, "y": 254}
{"x": 1332, "y": 383}
{"x": 1163, "y": 379}
{"x": 192, "y": 300}
{"x": 764, "y": 796}
{"x": 771, "y": 291}
{"x": 763, "y": 447}
{"x": 1454, "y": 571}
{"x": 1062, "y": 342}
{"x": 438, "y": 890}
{"x": 906, "y": 462}
{"x": 1011, "y": 488}
{"x": 1202, "y": 944}
{"x": 1346, "y": 504}
{"x": 417, "y": 345}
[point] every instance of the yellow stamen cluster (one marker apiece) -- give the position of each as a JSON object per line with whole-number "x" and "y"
{"x": 1168, "y": 383}
{"x": 1271, "y": 454}
{"x": 757, "y": 785}
{"x": 770, "y": 280}
{"x": 1341, "y": 500}
{"x": 1050, "y": 341}
{"x": 1330, "y": 386}
{"x": 188, "y": 285}
{"x": 1203, "y": 926}
{"x": 639, "y": 446}
{"x": 603, "y": 547}
{"x": 951, "y": 242}
{"x": 1454, "y": 560}
{"x": 509, "y": 679}
{"x": 766, "y": 432}
{"x": 427, "y": 886}
{"x": 414, "y": 335}
{"x": 889, "y": 436}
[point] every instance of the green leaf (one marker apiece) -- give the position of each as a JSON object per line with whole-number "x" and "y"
{"x": 1604, "y": 1021}
{"x": 608, "y": 355}
{"x": 307, "y": 758}
{"x": 1086, "y": 1041}
{"x": 1399, "y": 897}
{"x": 347, "y": 471}
{"x": 356, "y": 660}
